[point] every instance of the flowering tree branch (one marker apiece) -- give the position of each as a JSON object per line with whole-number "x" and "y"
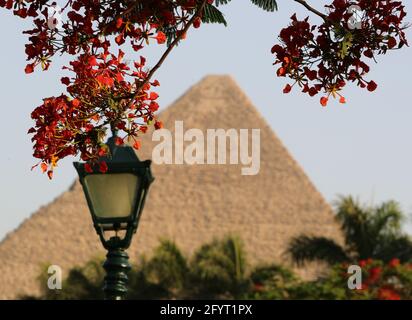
{"x": 105, "y": 91}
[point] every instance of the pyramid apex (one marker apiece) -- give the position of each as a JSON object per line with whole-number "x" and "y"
{"x": 217, "y": 78}
{"x": 218, "y": 81}
{"x": 212, "y": 97}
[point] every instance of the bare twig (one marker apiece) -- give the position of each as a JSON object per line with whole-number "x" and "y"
{"x": 313, "y": 10}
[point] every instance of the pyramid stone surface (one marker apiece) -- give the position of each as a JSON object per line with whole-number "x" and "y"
{"x": 187, "y": 204}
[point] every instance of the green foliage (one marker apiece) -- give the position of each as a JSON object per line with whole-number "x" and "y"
{"x": 381, "y": 281}
{"x": 306, "y": 248}
{"x": 141, "y": 287}
{"x": 211, "y": 14}
{"x": 370, "y": 232}
{"x": 268, "y": 5}
{"x": 271, "y": 282}
{"x": 168, "y": 266}
{"x": 218, "y": 269}
{"x": 82, "y": 283}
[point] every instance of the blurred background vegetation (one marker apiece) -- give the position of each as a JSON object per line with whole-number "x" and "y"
{"x": 219, "y": 269}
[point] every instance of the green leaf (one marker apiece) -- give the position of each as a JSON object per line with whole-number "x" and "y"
{"x": 221, "y": 2}
{"x": 213, "y": 15}
{"x": 345, "y": 45}
{"x": 268, "y": 5}
{"x": 210, "y": 15}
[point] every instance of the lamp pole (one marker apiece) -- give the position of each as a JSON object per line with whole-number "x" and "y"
{"x": 116, "y": 199}
{"x": 117, "y": 266}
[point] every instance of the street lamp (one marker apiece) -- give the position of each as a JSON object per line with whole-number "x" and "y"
{"x": 116, "y": 199}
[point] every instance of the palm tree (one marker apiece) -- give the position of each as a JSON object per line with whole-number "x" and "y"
{"x": 369, "y": 232}
{"x": 218, "y": 269}
{"x": 163, "y": 276}
{"x": 141, "y": 287}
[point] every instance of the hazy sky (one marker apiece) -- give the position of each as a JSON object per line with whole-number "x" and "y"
{"x": 363, "y": 148}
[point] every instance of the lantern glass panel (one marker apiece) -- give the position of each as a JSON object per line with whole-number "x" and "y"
{"x": 112, "y": 195}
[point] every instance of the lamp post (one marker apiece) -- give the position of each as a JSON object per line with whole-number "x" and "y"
{"x": 116, "y": 199}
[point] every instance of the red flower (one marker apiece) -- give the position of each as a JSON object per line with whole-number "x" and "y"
{"x": 287, "y": 88}
{"x": 387, "y": 293}
{"x": 153, "y": 96}
{"x": 103, "y": 167}
{"x": 44, "y": 167}
{"x": 119, "y": 23}
{"x": 75, "y": 103}
{"x": 88, "y": 168}
{"x": 154, "y": 106}
{"x": 102, "y": 152}
{"x": 197, "y": 22}
{"x": 65, "y": 80}
{"x": 364, "y": 263}
{"x": 281, "y": 72}
{"x": 372, "y": 86}
{"x": 158, "y": 125}
{"x": 394, "y": 263}
{"x": 324, "y": 101}
{"x": 29, "y": 68}
{"x": 118, "y": 141}
{"x": 160, "y": 37}
{"x": 50, "y": 174}
{"x": 374, "y": 274}
{"x": 391, "y": 42}
{"x": 105, "y": 81}
{"x": 92, "y": 61}
{"x": 119, "y": 39}
{"x": 137, "y": 145}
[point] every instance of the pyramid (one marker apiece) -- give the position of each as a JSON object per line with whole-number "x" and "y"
{"x": 190, "y": 204}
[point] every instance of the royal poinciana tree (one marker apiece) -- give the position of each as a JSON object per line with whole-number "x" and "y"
{"x": 104, "y": 92}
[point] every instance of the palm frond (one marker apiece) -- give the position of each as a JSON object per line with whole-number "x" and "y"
{"x": 387, "y": 218}
{"x": 306, "y": 249}
{"x": 399, "y": 247}
{"x": 354, "y": 220}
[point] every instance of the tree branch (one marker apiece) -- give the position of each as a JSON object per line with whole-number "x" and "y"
{"x": 167, "y": 52}
{"x": 313, "y": 10}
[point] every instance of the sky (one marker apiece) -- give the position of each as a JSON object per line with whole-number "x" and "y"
{"x": 362, "y": 148}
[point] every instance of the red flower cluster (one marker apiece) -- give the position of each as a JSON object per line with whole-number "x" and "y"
{"x": 104, "y": 92}
{"x": 101, "y": 97}
{"x": 388, "y": 293}
{"x": 386, "y": 281}
{"x": 324, "y": 58}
